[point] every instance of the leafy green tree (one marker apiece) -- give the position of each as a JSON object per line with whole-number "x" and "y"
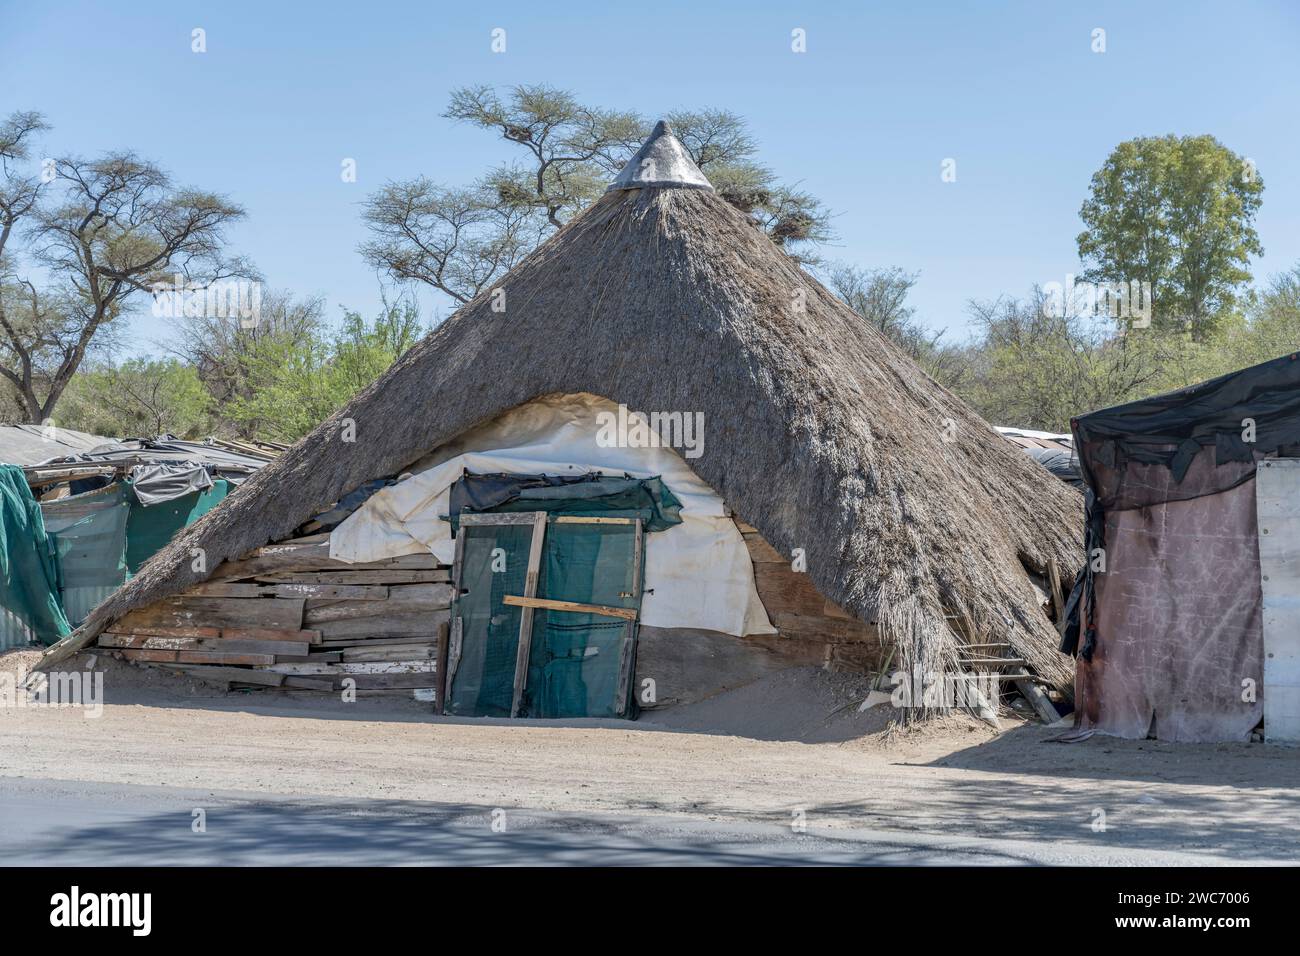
{"x": 288, "y": 390}
{"x": 294, "y": 382}
{"x": 1037, "y": 367}
{"x": 364, "y": 350}
{"x": 220, "y": 347}
{"x": 1177, "y": 213}
{"x": 1274, "y": 319}
{"x": 140, "y": 398}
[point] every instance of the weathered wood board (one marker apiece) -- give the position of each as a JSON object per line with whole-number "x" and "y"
{"x": 784, "y": 590}
{"x": 346, "y": 642}
{"x": 147, "y": 642}
{"x": 193, "y": 657}
{"x": 278, "y": 558}
{"x": 308, "y": 635}
{"x": 356, "y": 667}
{"x": 424, "y": 623}
{"x": 404, "y": 599}
{"x": 231, "y": 674}
{"x": 214, "y": 612}
{"x": 308, "y": 683}
{"x": 398, "y": 652}
{"x": 371, "y": 578}
{"x": 335, "y": 592}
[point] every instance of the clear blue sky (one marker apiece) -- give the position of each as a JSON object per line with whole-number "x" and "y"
{"x": 863, "y": 120}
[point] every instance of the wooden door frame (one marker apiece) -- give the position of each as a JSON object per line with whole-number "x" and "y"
{"x": 449, "y": 653}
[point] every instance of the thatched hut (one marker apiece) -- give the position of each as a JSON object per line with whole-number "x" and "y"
{"x": 884, "y": 519}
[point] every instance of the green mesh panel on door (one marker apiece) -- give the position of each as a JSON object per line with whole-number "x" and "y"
{"x": 482, "y": 683}
{"x": 576, "y": 659}
{"x": 89, "y": 533}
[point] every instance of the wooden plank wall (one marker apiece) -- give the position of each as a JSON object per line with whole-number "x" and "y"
{"x": 811, "y": 627}
{"x": 289, "y": 616}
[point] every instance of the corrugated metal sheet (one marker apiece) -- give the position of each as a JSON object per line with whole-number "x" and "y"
{"x": 32, "y": 444}
{"x": 77, "y": 604}
{"x": 1277, "y": 505}
{"x": 13, "y": 633}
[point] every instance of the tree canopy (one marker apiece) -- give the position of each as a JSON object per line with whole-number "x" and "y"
{"x": 100, "y": 233}
{"x": 1176, "y": 212}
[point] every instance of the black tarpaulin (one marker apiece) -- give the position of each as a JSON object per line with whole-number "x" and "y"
{"x": 646, "y": 498}
{"x": 158, "y": 483}
{"x": 1170, "y": 430}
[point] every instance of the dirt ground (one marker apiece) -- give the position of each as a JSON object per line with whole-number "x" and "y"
{"x": 790, "y": 743}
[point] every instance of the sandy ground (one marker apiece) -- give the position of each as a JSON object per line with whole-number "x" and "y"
{"x": 763, "y": 753}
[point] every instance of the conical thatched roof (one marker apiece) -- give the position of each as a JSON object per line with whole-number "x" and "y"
{"x": 819, "y": 432}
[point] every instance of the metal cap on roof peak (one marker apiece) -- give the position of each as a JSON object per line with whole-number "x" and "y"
{"x": 661, "y": 161}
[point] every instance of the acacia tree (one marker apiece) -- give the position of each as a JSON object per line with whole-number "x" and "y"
{"x": 1177, "y": 213}
{"x": 20, "y": 303}
{"x": 460, "y": 240}
{"x": 113, "y": 229}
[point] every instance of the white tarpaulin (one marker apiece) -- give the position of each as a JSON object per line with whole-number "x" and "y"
{"x": 699, "y": 571}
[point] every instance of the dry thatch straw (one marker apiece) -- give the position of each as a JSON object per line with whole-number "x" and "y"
{"x": 820, "y": 432}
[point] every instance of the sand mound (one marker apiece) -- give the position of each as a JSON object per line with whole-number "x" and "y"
{"x": 123, "y": 682}
{"x": 804, "y": 704}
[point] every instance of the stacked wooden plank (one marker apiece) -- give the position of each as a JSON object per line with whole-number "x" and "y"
{"x": 804, "y": 617}
{"x": 287, "y": 615}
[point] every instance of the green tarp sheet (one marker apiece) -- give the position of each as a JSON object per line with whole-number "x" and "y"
{"x": 28, "y": 572}
{"x": 149, "y": 529}
{"x": 60, "y": 558}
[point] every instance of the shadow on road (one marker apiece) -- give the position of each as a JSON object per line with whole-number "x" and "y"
{"x": 403, "y": 833}
{"x": 1028, "y": 749}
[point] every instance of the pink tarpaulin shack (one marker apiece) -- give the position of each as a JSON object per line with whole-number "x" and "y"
{"x": 1171, "y": 630}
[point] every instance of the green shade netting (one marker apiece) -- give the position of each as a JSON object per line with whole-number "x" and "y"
{"x": 576, "y": 660}
{"x": 149, "y": 529}
{"x": 28, "y": 569}
{"x": 494, "y": 564}
{"x": 89, "y": 532}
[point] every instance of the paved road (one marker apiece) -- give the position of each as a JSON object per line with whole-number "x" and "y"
{"x": 56, "y": 822}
